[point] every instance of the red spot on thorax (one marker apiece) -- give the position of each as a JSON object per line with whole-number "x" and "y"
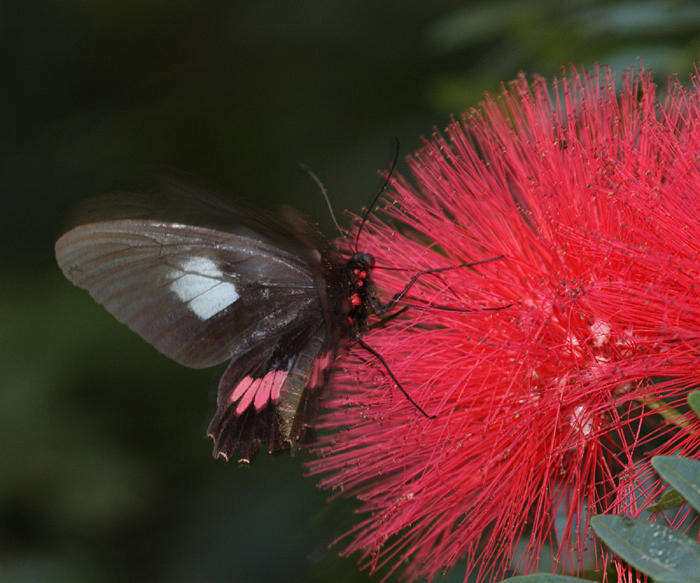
{"x": 355, "y": 300}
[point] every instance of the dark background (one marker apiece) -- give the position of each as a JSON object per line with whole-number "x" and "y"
{"x": 105, "y": 472}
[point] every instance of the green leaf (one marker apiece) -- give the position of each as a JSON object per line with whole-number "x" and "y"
{"x": 658, "y": 551}
{"x": 544, "y": 578}
{"x": 670, "y": 499}
{"x": 694, "y": 402}
{"x": 683, "y": 474}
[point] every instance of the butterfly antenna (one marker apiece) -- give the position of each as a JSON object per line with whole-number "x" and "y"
{"x": 322, "y": 188}
{"x": 370, "y": 208}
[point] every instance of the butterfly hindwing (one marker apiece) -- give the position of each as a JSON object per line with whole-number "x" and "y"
{"x": 271, "y": 382}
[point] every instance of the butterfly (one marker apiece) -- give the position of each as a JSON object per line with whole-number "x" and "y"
{"x": 206, "y": 282}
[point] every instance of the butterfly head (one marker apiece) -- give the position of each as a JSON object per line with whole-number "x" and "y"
{"x": 361, "y": 261}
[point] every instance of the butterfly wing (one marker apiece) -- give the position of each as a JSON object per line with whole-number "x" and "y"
{"x": 267, "y": 394}
{"x": 190, "y": 291}
{"x": 205, "y": 282}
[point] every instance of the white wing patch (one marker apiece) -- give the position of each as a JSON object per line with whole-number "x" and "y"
{"x": 199, "y": 285}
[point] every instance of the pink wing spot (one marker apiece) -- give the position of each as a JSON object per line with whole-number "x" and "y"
{"x": 321, "y": 363}
{"x": 258, "y": 391}
{"x": 262, "y": 396}
{"x": 277, "y": 387}
{"x": 247, "y": 398}
{"x": 240, "y": 389}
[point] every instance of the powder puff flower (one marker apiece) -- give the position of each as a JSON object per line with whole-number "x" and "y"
{"x": 544, "y": 408}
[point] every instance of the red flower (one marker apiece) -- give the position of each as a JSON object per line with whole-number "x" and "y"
{"x": 593, "y": 199}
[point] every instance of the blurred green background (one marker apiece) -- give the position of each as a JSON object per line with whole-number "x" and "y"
{"x": 106, "y": 474}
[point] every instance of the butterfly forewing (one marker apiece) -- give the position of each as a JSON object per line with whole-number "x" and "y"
{"x": 189, "y": 291}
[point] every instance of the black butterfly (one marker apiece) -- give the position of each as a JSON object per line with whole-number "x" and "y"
{"x": 204, "y": 282}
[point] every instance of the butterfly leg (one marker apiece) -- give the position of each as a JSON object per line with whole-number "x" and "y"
{"x": 380, "y": 358}
{"x": 385, "y": 319}
{"x": 451, "y": 309}
{"x": 383, "y": 308}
